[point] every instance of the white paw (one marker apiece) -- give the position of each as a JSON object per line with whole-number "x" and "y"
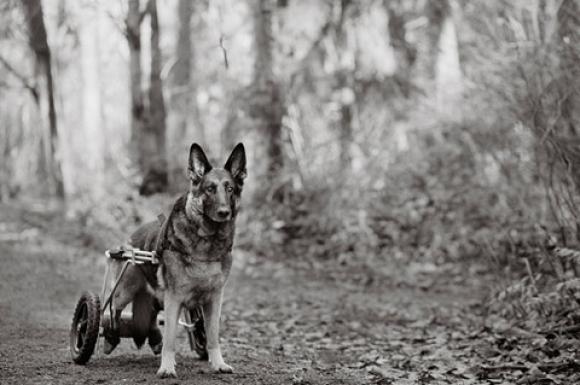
{"x": 166, "y": 373}
{"x": 221, "y": 368}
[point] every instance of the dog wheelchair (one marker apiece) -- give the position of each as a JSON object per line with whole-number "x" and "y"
{"x": 91, "y": 320}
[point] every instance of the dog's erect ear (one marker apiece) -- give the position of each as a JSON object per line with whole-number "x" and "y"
{"x": 198, "y": 164}
{"x": 236, "y": 163}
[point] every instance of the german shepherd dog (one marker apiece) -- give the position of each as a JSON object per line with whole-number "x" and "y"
{"x": 193, "y": 245}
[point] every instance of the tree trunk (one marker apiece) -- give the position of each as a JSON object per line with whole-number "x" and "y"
{"x": 448, "y": 74}
{"x": 154, "y": 153}
{"x": 569, "y": 36}
{"x": 91, "y": 106}
{"x": 437, "y": 12}
{"x": 133, "y": 33}
{"x": 184, "y": 93}
{"x": 43, "y": 74}
{"x": 6, "y": 166}
{"x": 568, "y": 124}
{"x": 346, "y": 114}
{"x": 267, "y": 104}
{"x": 346, "y": 96}
{"x": 405, "y": 54}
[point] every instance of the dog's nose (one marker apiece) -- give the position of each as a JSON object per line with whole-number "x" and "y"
{"x": 223, "y": 213}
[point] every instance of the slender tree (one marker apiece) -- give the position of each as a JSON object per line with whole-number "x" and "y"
{"x": 148, "y": 128}
{"x": 448, "y": 72}
{"x": 405, "y": 53}
{"x": 267, "y": 101}
{"x": 91, "y": 107}
{"x": 569, "y": 43}
{"x": 37, "y": 38}
{"x": 133, "y": 34}
{"x": 183, "y": 88}
{"x": 6, "y": 166}
{"x": 437, "y": 12}
{"x": 541, "y": 21}
{"x": 153, "y": 151}
{"x": 345, "y": 85}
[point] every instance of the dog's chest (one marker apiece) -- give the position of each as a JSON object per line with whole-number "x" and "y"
{"x": 209, "y": 249}
{"x": 194, "y": 279}
{"x": 203, "y": 280}
{"x": 192, "y": 241}
{"x": 196, "y": 263}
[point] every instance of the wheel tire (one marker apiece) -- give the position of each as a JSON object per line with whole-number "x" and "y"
{"x": 196, "y": 337}
{"x": 84, "y": 330}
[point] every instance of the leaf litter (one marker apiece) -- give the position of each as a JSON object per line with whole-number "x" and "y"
{"x": 308, "y": 323}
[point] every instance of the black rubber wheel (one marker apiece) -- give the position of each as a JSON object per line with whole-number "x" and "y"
{"x": 84, "y": 330}
{"x": 196, "y": 337}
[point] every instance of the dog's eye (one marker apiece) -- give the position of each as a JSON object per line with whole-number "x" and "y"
{"x": 229, "y": 189}
{"x": 210, "y": 189}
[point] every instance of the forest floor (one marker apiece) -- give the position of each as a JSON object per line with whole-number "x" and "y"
{"x": 286, "y": 322}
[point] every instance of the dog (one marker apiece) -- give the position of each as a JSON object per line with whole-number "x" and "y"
{"x": 193, "y": 244}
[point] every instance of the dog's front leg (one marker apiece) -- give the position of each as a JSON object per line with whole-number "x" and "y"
{"x": 212, "y": 315}
{"x": 172, "y": 307}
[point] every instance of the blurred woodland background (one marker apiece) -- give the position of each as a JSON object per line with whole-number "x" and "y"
{"x": 403, "y": 131}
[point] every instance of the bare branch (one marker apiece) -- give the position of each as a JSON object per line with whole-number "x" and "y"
{"x": 21, "y": 78}
{"x": 145, "y": 11}
{"x": 225, "y": 52}
{"x": 119, "y": 25}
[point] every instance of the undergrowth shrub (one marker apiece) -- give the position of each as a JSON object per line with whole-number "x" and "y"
{"x": 444, "y": 200}
{"x": 547, "y": 298}
{"x": 530, "y": 81}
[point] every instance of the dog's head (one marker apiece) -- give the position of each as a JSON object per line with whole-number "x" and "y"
{"x": 217, "y": 191}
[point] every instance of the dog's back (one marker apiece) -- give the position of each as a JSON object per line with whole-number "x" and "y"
{"x": 145, "y": 237}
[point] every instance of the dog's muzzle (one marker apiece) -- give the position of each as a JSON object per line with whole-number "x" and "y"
{"x": 224, "y": 214}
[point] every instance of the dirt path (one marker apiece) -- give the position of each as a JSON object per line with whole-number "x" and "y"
{"x": 282, "y": 325}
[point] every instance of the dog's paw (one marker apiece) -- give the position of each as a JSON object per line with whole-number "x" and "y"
{"x": 166, "y": 373}
{"x": 222, "y": 368}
